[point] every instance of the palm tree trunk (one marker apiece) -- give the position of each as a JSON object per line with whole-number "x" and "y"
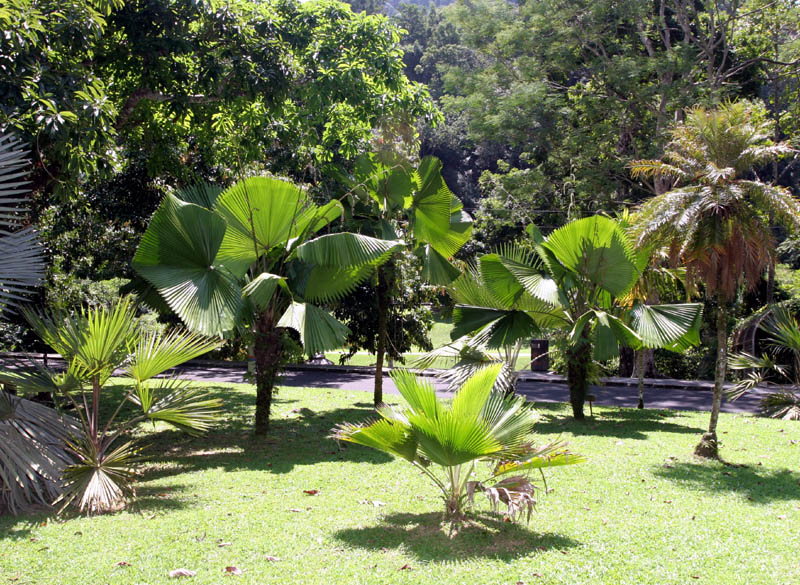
{"x": 383, "y": 333}
{"x": 708, "y": 446}
{"x": 579, "y": 358}
{"x": 640, "y": 375}
{"x": 268, "y": 354}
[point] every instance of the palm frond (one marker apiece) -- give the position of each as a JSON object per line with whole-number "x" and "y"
{"x": 346, "y": 249}
{"x": 176, "y": 402}
{"x": 319, "y": 330}
{"x": 33, "y": 453}
{"x": 21, "y": 259}
{"x": 155, "y": 353}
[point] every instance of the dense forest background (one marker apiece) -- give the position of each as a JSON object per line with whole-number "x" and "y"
{"x": 535, "y": 107}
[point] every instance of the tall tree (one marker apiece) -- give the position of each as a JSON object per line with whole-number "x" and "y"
{"x": 286, "y": 85}
{"x": 714, "y": 219}
{"x": 392, "y": 200}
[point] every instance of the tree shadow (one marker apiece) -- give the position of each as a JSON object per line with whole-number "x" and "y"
{"x": 298, "y": 438}
{"x": 21, "y": 527}
{"x": 625, "y": 423}
{"x": 758, "y": 485}
{"x": 422, "y": 535}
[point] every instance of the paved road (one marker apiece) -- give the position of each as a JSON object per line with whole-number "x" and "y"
{"x": 539, "y": 391}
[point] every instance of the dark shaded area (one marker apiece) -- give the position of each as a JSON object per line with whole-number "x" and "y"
{"x": 758, "y": 485}
{"x": 623, "y": 423}
{"x": 297, "y": 438}
{"x": 486, "y": 536}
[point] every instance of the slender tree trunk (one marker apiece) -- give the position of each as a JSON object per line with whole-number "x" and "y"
{"x": 708, "y": 446}
{"x": 640, "y": 375}
{"x": 94, "y": 426}
{"x": 383, "y": 334}
{"x": 579, "y": 358}
{"x": 626, "y": 362}
{"x": 268, "y": 353}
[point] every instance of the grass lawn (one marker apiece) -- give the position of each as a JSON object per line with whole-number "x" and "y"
{"x": 641, "y": 511}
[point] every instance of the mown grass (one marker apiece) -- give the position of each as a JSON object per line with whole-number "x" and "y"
{"x": 641, "y": 511}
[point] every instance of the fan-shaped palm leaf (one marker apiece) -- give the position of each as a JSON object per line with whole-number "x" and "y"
{"x": 319, "y": 331}
{"x": 33, "y": 453}
{"x": 178, "y": 256}
{"x": 21, "y": 260}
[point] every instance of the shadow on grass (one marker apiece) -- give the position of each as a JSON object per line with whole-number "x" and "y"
{"x": 423, "y": 536}
{"x": 298, "y": 437}
{"x": 625, "y": 423}
{"x": 760, "y": 486}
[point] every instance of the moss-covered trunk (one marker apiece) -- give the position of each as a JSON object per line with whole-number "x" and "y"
{"x": 268, "y": 354}
{"x": 579, "y": 359}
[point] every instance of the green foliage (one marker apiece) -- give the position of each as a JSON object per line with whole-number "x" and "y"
{"x": 94, "y": 343}
{"x": 409, "y": 318}
{"x": 479, "y": 426}
{"x": 301, "y": 85}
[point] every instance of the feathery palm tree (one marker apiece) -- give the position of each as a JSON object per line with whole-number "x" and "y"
{"x": 714, "y": 220}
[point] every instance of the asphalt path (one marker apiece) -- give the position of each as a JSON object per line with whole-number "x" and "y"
{"x": 689, "y": 398}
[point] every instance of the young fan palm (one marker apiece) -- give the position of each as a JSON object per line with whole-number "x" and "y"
{"x": 447, "y": 443}
{"x": 251, "y": 256}
{"x": 94, "y": 344}
{"x": 714, "y": 219}
{"x": 573, "y": 280}
{"x": 783, "y": 337}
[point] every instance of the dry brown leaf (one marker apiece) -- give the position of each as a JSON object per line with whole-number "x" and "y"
{"x": 295, "y": 510}
{"x": 233, "y": 571}
{"x": 311, "y": 492}
{"x": 123, "y": 564}
{"x": 272, "y": 559}
{"x": 224, "y": 544}
{"x": 406, "y": 567}
{"x": 177, "y": 573}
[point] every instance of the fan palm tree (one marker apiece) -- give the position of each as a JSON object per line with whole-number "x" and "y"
{"x": 252, "y": 257}
{"x": 447, "y": 442}
{"x": 393, "y": 201}
{"x": 95, "y": 343}
{"x": 575, "y": 279}
{"x": 714, "y": 220}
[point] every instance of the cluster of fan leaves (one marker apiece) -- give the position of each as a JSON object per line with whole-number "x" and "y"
{"x": 783, "y": 341}
{"x": 450, "y": 444}
{"x": 579, "y": 279}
